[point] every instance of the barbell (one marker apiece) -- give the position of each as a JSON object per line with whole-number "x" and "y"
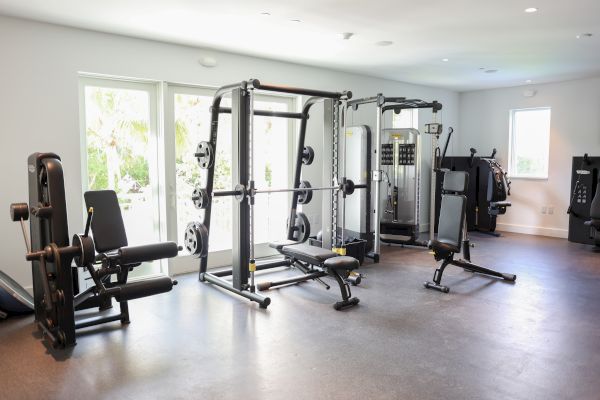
{"x": 201, "y": 197}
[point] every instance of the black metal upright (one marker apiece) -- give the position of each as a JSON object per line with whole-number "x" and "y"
{"x": 241, "y": 213}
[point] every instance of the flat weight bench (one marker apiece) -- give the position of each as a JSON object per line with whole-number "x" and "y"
{"x": 316, "y": 263}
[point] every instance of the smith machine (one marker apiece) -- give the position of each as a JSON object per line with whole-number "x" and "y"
{"x": 244, "y": 264}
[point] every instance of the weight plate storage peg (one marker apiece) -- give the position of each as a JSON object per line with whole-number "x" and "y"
{"x": 308, "y": 155}
{"x": 305, "y": 196}
{"x": 196, "y": 239}
{"x": 301, "y": 228}
{"x": 200, "y": 198}
{"x": 205, "y": 155}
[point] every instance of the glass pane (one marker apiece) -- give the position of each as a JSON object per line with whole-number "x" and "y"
{"x": 120, "y": 154}
{"x": 192, "y": 125}
{"x": 531, "y": 142}
{"x": 271, "y": 170}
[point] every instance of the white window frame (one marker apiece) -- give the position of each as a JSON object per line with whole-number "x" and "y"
{"x": 512, "y": 173}
{"x": 156, "y": 134}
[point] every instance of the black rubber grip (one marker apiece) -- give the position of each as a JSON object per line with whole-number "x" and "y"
{"x": 147, "y": 252}
{"x": 144, "y": 288}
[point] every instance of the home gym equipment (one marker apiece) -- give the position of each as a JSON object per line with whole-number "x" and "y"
{"x": 452, "y": 233}
{"x": 489, "y": 188}
{"x": 398, "y": 158}
{"x": 584, "y": 207}
{"x": 14, "y": 299}
{"x": 56, "y": 291}
{"x": 312, "y": 261}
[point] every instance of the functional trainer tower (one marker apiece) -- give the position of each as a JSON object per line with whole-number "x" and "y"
{"x": 56, "y": 291}
{"x": 242, "y": 112}
{"x": 585, "y": 197}
{"x": 397, "y": 104}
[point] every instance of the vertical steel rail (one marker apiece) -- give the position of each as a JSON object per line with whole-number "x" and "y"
{"x": 376, "y": 177}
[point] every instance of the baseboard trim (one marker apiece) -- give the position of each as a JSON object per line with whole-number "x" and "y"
{"x": 533, "y": 230}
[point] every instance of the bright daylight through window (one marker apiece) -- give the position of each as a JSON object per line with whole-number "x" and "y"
{"x": 529, "y": 143}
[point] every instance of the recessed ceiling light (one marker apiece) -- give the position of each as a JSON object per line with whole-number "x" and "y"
{"x": 266, "y": 14}
{"x": 384, "y": 43}
{"x": 295, "y": 20}
{"x": 584, "y": 36}
{"x": 531, "y": 10}
{"x": 491, "y": 71}
{"x": 445, "y": 60}
{"x": 528, "y": 81}
{"x": 346, "y": 35}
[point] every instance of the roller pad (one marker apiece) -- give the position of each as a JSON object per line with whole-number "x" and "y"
{"x": 144, "y": 288}
{"x": 148, "y": 252}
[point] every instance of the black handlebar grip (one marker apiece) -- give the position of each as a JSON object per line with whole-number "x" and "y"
{"x": 148, "y": 252}
{"x": 19, "y": 211}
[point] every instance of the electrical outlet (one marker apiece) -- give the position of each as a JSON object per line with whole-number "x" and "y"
{"x": 544, "y": 210}
{"x": 550, "y": 210}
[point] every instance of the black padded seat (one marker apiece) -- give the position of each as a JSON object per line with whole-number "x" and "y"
{"x": 282, "y": 243}
{"x": 107, "y": 225}
{"x": 307, "y": 253}
{"x": 341, "y": 263}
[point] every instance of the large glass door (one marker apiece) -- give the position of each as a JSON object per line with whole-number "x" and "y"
{"x": 119, "y": 124}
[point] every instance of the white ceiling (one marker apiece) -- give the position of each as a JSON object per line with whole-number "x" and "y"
{"x": 471, "y": 33}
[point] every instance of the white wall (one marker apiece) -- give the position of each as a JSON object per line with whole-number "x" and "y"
{"x": 39, "y": 100}
{"x": 575, "y": 129}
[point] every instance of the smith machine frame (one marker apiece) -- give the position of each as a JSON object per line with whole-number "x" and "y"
{"x": 242, "y": 113}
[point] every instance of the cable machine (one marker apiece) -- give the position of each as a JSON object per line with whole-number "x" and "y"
{"x": 397, "y": 156}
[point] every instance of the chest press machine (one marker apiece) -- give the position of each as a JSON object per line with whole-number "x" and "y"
{"x": 314, "y": 262}
{"x": 56, "y": 292}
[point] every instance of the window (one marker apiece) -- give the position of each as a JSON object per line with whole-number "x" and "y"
{"x": 120, "y": 138}
{"x": 529, "y": 143}
{"x": 408, "y": 118}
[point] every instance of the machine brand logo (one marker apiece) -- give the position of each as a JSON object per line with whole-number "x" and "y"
{"x": 31, "y": 168}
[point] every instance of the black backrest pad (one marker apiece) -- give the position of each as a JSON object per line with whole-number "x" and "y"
{"x": 107, "y": 225}
{"x": 595, "y": 204}
{"x": 452, "y": 214}
{"x": 456, "y": 181}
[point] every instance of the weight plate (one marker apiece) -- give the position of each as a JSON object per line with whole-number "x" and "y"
{"x": 196, "y": 239}
{"x": 241, "y": 189}
{"x": 301, "y": 228}
{"x": 200, "y": 198}
{"x": 348, "y": 186}
{"x": 205, "y": 155}
{"x": 305, "y": 196}
{"x": 308, "y": 155}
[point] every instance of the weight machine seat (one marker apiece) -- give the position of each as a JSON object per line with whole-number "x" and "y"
{"x": 107, "y": 224}
{"x": 345, "y": 263}
{"x": 307, "y": 253}
{"x": 442, "y": 250}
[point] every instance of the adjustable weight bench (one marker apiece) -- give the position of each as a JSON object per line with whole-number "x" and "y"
{"x": 452, "y": 232}
{"x": 316, "y": 263}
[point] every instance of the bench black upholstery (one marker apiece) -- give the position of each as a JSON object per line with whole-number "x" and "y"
{"x": 594, "y": 220}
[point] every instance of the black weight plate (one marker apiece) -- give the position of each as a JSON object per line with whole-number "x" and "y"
{"x": 304, "y": 197}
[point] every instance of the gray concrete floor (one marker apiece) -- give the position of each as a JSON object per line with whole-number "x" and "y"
{"x": 486, "y": 339}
